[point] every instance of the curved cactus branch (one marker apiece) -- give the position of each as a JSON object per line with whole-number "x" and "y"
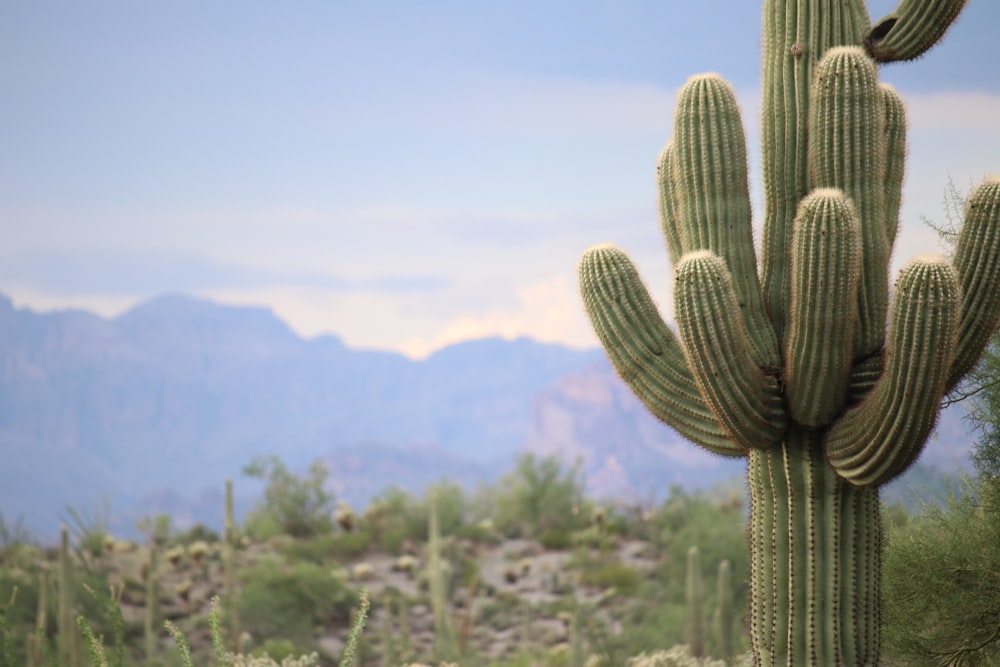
{"x": 879, "y": 438}
{"x": 712, "y": 194}
{"x": 895, "y": 157}
{"x": 643, "y": 349}
{"x": 977, "y": 261}
{"x": 911, "y": 29}
{"x": 667, "y": 201}
{"x": 745, "y": 399}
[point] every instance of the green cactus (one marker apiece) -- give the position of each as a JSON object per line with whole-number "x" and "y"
{"x": 229, "y": 539}
{"x": 789, "y": 363}
{"x": 150, "y": 629}
{"x": 695, "y": 592}
{"x": 724, "y": 612}
{"x": 68, "y": 645}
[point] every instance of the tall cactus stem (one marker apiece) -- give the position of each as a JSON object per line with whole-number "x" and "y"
{"x": 229, "y": 567}
{"x": 65, "y": 623}
{"x": 443, "y": 637}
{"x": 794, "y": 38}
{"x": 815, "y": 543}
{"x": 695, "y": 594}
{"x": 724, "y": 612}
{"x": 149, "y": 626}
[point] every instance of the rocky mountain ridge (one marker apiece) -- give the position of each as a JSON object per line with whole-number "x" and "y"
{"x": 151, "y": 410}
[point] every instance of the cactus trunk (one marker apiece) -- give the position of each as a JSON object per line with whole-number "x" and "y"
{"x": 814, "y": 556}
{"x": 790, "y": 363}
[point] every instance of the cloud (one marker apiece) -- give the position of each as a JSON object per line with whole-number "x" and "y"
{"x": 548, "y": 311}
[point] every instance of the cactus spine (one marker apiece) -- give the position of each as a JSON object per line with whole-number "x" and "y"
{"x": 789, "y": 362}
{"x": 695, "y": 592}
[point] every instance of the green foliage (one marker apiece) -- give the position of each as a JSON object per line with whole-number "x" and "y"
{"x": 942, "y": 585}
{"x": 89, "y": 530}
{"x": 400, "y": 518}
{"x": 985, "y": 412}
{"x": 293, "y": 505}
{"x": 541, "y": 496}
{"x": 327, "y": 547}
{"x": 13, "y": 535}
{"x": 199, "y": 532}
{"x": 287, "y": 600}
{"x": 621, "y": 577}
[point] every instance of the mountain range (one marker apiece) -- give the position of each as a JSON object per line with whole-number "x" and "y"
{"x": 151, "y": 410}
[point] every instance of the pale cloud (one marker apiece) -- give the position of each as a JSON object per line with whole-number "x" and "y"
{"x": 548, "y": 311}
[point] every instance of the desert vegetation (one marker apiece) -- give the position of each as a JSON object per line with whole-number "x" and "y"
{"x": 484, "y": 577}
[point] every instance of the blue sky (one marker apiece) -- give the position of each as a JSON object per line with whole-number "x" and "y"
{"x": 402, "y": 174}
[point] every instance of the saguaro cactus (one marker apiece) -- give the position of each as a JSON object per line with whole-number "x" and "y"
{"x": 694, "y": 592}
{"x": 789, "y": 363}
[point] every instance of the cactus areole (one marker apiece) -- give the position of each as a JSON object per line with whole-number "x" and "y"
{"x": 799, "y": 362}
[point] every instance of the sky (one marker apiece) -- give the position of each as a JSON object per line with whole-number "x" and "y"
{"x": 404, "y": 175}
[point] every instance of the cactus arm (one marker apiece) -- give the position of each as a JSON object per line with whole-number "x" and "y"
{"x": 643, "y": 350}
{"x": 847, "y": 151}
{"x": 879, "y": 438}
{"x": 793, "y": 42}
{"x": 895, "y": 157}
{"x": 667, "y": 201}
{"x": 826, "y": 265}
{"x": 713, "y": 198}
{"x": 911, "y": 29}
{"x": 977, "y": 261}
{"x": 746, "y": 400}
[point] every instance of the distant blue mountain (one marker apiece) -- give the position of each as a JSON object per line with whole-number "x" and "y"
{"x": 153, "y": 409}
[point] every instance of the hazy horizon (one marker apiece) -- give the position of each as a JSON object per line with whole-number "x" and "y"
{"x": 400, "y": 176}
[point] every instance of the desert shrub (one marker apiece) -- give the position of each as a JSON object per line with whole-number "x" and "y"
{"x": 953, "y": 551}
{"x": 539, "y": 496}
{"x": 288, "y": 600}
{"x": 400, "y": 518}
{"x": 199, "y": 532}
{"x": 293, "y": 505}
{"x": 556, "y": 540}
{"x": 325, "y": 548}
{"x": 621, "y": 577}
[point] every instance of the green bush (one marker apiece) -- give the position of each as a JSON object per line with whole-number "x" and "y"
{"x": 323, "y": 549}
{"x": 540, "y": 496}
{"x": 942, "y": 584}
{"x": 288, "y": 600}
{"x": 624, "y": 579}
{"x": 400, "y": 517}
{"x": 293, "y": 505}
